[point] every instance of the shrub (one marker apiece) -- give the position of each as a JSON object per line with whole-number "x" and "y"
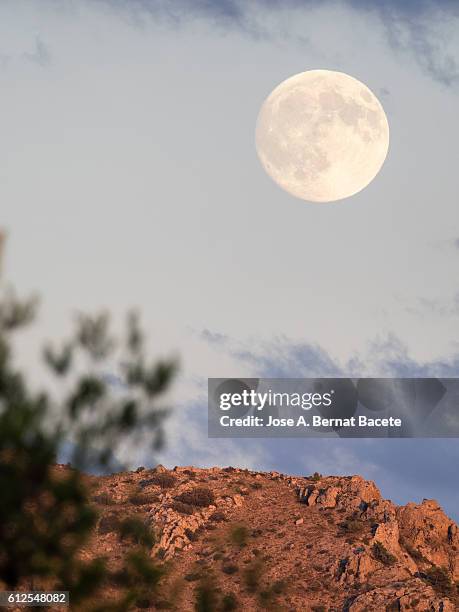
{"x": 270, "y": 594}
{"x": 142, "y": 499}
{"x": 351, "y": 526}
{"x": 229, "y": 603}
{"x": 179, "y": 506}
{"x": 316, "y": 476}
{"x": 265, "y": 598}
{"x": 163, "y": 604}
{"x": 206, "y": 597}
{"x": 252, "y": 575}
{"x": 199, "y": 496}
{"x": 108, "y": 524}
{"x": 439, "y": 580}
{"x": 229, "y": 569}
{"x": 380, "y": 553}
{"x": 136, "y": 531}
{"x": 239, "y": 535}
{"x": 163, "y": 480}
{"x": 103, "y": 499}
{"x": 413, "y": 552}
{"x": 143, "y": 603}
{"x": 217, "y": 517}
{"x": 279, "y": 587}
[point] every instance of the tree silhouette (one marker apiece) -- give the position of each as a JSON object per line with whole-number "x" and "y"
{"x": 45, "y": 514}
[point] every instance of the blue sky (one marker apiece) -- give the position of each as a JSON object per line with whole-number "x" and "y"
{"x": 128, "y": 176}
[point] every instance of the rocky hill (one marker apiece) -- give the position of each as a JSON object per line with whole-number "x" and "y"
{"x": 237, "y": 539}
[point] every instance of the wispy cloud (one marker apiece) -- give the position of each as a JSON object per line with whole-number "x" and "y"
{"x": 213, "y": 338}
{"x": 413, "y": 26}
{"x": 284, "y": 358}
{"x": 421, "y": 33}
{"x": 437, "y": 307}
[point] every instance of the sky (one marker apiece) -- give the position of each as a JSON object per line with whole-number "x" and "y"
{"x": 128, "y": 176}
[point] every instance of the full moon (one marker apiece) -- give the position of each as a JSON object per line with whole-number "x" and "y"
{"x": 322, "y": 135}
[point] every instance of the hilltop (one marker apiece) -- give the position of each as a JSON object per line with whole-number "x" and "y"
{"x": 240, "y": 539}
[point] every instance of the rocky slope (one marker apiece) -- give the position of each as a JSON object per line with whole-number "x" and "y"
{"x": 256, "y": 541}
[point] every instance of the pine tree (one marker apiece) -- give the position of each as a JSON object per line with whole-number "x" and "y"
{"x": 45, "y": 514}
